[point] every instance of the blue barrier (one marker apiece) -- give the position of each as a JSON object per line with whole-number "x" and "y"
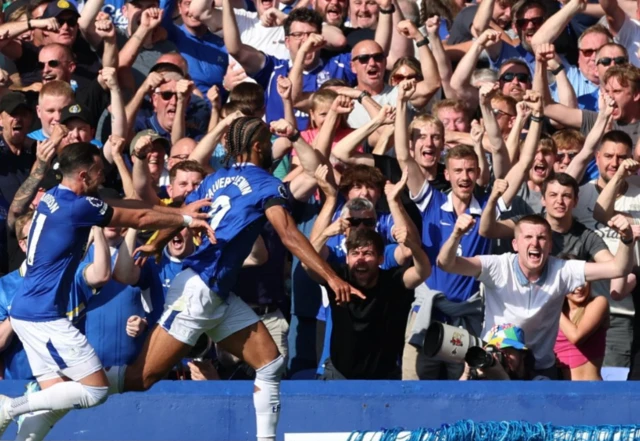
{"x": 223, "y": 411}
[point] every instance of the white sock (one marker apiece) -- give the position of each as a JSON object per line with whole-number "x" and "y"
{"x": 115, "y": 375}
{"x": 266, "y": 399}
{"x": 35, "y": 426}
{"x": 60, "y": 396}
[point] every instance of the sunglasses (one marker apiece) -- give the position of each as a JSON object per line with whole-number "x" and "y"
{"x": 606, "y": 61}
{"x": 501, "y": 112}
{"x": 366, "y": 221}
{"x": 71, "y": 21}
{"x": 509, "y": 77}
{"x": 364, "y": 59}
{"x": 523, "y": 22}
{"x": 51, "y": 63}
{"x": 588, "y": 52}
{"x": 399, "y": 77}
{"x": 166, "y": 95}
{"x": 562, "y": 156}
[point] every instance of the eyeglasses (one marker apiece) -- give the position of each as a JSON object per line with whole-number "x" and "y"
{"x": 299, "y": 35}
{"x": 523, "y": 22}
{"x": 588, "y": 52}
{"x": 562, "y": 156}
{"x": 71, "y": 21}
{"x": 364, "y": 59}
{"x": 51, "y": 63}
{"x": 366, "y": 221}
{"x": 497, "y": 112}
{"x": 510, "y": 76}
{"x": 606, "y": 61}
{"x": 166, "y": 95}
{"x": 399, "y": 77}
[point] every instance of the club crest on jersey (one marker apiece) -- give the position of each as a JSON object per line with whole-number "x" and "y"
{"x": 95, "y": 201}
{"x": 322, "y": 77}
{"x": 282, "y": 190}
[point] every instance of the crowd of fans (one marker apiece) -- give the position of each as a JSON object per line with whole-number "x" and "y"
{"x": 466, "y": 160}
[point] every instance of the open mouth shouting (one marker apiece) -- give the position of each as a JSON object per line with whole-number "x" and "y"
{"x": 534, "y": 256}
{"x": 333, "y": 13}
{"x": 540, "y": 170}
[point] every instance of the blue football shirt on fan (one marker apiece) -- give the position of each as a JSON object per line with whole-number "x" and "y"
{"x": 57, "y": 241}
{"x": 240, "y": 194}
{"x": 338, "y": 67}
{"x": 168, "y": 268}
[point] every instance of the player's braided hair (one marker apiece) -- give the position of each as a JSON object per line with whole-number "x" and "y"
{"x": 242, "y": 133}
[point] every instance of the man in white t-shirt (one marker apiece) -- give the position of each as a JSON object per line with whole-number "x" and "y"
{"x": 625, "y": 30}
{"x": 528, "y": 288}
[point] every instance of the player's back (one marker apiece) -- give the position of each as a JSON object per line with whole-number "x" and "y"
{"x": 240, "y": 195}
{"x": 57, "y": 240}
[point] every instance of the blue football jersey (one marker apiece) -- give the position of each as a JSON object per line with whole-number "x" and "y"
{"x": 57, "y": 241}
{"x": 168, "y": 268}
{"x": 240, "y": 195}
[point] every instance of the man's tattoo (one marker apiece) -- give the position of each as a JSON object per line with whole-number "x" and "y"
{"x": 26, "y": 192}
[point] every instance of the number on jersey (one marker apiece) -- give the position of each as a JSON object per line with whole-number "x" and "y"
{"x": 219, "y": 208}
{"x": 35, "y": 236}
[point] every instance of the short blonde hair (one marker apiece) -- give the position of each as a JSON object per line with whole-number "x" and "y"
{"x": 56, "y": 88}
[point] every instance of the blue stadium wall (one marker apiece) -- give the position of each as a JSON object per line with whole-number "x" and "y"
{"x": 223, "y": 411}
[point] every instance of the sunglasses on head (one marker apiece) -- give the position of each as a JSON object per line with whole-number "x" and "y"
{"x": 166, "y": 95}
{"x": 366, "y": 221}
{"x": 51, "y": 63}
{"x": 523, "y": 22}
{"x": 606, "y": 61}
{"x": 510, "y": 76}
{"x": 70, "y": 21}
{"x": 364, "y": 59}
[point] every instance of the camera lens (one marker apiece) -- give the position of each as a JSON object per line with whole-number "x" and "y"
{"x": 478, "y": 358}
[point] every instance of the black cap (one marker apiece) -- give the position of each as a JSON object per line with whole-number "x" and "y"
{"x": 14, "y": 6}
{"x": 57, "y": 7}
{"x": 76, "y": 111}
{"x": 12, "y": 101}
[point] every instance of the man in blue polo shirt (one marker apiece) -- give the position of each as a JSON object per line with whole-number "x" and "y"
{"x": 205, "y": 52}
{"x": 266, "y": 69}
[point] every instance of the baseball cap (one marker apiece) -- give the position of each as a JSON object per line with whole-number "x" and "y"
{"x": 57, "y": 7}
{"x": 76, "y": 111}
{"x": 12, "y": 101}
{"x": 10, "y": 8}
{"x": 166, "y": 145}
{"x": 507, "y": 336}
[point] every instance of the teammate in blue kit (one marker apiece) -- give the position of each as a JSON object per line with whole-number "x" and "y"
{"x": 199, "y": 300}
{"x": 61, "y": 359}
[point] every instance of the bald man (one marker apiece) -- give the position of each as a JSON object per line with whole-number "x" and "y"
{"x": 369, "y": 63}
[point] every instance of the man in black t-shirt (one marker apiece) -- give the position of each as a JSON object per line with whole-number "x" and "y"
{"x": 368, "y": 335}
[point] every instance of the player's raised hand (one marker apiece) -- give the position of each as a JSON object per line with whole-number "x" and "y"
{"x": 282, "y": 128}
{"x": 343, "y": 290}
{"x": 136, "y": 325}
{"x": 392, "y": 191}
{"x": 463, "y": 225}
{"x": 202, "y": 226}
{"x": 621, "y": 225}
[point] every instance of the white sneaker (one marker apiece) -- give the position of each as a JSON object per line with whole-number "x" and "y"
{"x": 5, "y": 419}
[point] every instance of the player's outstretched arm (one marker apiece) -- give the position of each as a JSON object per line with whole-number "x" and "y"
{"x": 300, "y": 247}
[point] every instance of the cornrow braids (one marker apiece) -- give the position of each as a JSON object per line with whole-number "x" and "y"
{"x": 241, "y": 135}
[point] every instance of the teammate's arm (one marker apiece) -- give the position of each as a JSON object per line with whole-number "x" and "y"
{"x": 98, "y": 272}
{"x": 6, "y": 334}
{"x": 300, "y": 247}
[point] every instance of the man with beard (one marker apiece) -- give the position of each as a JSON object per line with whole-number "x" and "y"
{"x": 616, "y": 190}
{"x": 622, "y": 84}
{"x": 528, "y": 288}
{"x": 367, "y": 334}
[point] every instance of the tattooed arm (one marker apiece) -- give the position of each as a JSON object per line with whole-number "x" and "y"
{"x": 30, "y": 186}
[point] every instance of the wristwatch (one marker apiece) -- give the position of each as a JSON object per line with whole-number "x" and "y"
{"x": 423, "y": 42}
{"x": 294, "y": 136}
{"x": 362, "y": 96}
{"x": 626, "y": 241}
{"x": 557, "y": 70}
{"x": 391, "y": 10}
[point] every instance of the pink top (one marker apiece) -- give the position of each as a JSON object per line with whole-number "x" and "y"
{"x": 310, "y": 134}
{"x": 572, "y": 356}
